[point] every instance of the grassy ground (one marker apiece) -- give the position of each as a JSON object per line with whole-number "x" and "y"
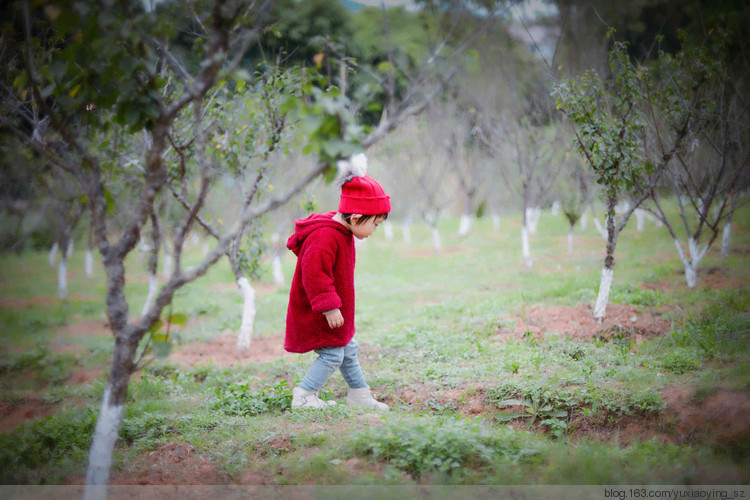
{"x": 477, "y": 395}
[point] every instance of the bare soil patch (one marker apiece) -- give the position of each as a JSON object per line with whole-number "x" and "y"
{"x": 577, "y": 322}
{"x": 14, "y": 415}
{"x": 222, "y": 351}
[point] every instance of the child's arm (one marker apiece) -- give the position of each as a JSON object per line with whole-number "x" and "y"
{"x": 317, "y": 280}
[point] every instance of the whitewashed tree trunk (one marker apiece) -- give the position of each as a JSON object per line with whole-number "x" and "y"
{"x": 205, "y": 248}
{"x": 691, "y": 262}
{"x": 725, "y": 237}
{"x": 555, "y": 208}
{"x": 153, "y": 287}
{"x": 465, "y": 225}
{"x": 436, "y": 243}
{"x": 532, "y": 218}
{"x": 52, "y": 255}
{"x": 89, "y": 262}
{"x": 69, "y": 249}
{"x": 248, "y": 313}
{"x": 600, "y": 229}
{"x": 640, "y": 219}
{"x": 406, "y": 231}
{"x": 496, "y": 222}
{"x": 570, "y": 241}
{"x": 584, "y": 221}
{"x": 102, "y": 446}
{"x": 525, "y": 247}
{"x": 62, "y": 277}
{"x": 388, "y": 230}
{"x": 278, "y": 274}
{"x": 168, "y": 265}
{"x": 605, "y": 285}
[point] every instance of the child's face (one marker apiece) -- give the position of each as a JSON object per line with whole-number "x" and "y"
{"x": 364, "y": 229}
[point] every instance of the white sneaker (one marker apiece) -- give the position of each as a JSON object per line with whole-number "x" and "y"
{"x": 308, "y": 399}
{"x": 363, "y": 397}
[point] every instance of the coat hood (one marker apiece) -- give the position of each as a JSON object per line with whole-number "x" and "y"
{"x": 304, "y": 227}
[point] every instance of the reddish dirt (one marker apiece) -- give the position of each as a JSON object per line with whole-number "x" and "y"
{"x": 171, "y": 463}
{"x": 712, "y": 278}
{"x": 578, "y": 322}
{"x": 14, "y": 415}
{"x": 222, "y": 351}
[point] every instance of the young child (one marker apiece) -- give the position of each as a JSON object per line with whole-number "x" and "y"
{"x": 320, "y": 315}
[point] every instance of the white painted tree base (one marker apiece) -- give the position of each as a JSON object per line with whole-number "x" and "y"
{"x": 584, "y": 221}
{"x": 248, "y": 314}
{"x": 570, "y": 241}
{"x": 278, "y": 274}
{"x": 605, "y": 286}
{"x": 600, "y": 229}
{"x": 62, "y": 278}
{"x": 406, "y": 232}
{"x": 102, "y": 447}
{"x": 496, "y": 222}
{"x": 168, "y": 266}
{"x": 725, "y": 238}
{"x": 436, "y": 242}
{"x": 464, "y": 226}
{"x": 51, "y": 258}
{"x": 153, "y": 287}
{"x": 526, "y": 252}
{"x": 89, "y": 263}
{"x": 388, "y": 230}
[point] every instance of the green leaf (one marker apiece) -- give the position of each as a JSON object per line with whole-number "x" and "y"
{"x": 156, "y": 326}
{"x": 178, "y": 319}
{"x": 162, "y": 350}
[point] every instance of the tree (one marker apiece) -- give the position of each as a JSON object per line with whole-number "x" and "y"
{"x": 610, "y": 130}
{"x": 81, "y": 82}
{"x": 711, "y": 165}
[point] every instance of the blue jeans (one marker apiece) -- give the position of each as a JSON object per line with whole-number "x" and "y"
{"x": 328, "y": 361}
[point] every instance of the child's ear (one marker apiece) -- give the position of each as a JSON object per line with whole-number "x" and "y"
{"x": 355, "y": 218}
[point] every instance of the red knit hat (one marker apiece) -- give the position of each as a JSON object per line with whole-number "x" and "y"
{"x": 360, "y": 193}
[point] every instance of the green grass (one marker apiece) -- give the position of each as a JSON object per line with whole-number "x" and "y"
{"x": 429, "y": 328}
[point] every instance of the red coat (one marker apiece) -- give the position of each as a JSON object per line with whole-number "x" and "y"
{"x": 323, "y": 281}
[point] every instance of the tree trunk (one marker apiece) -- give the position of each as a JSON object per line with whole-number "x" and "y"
{"x": 110, "y": 416}
{"x": 555, "y": 208}
{"x": 62, "y": 277}
{"x": 168, "y": 264}
{"x": 570, "y": 241}
{"x": 278, "y": 274}
{"x": 640, "y": 218}
{"x": 600, "y": 229}
{"x": 465, "y": 226}
{"x": 248, "y": 313}
{"x": 496, "y": 222}
{"x": 725, "y": 237}
{"x": 584, "y": 221}
{"x": 388, "y": 230}
{"x": 436, "y": 243}
{"x": 53, "y": 254}
{"x": 406, "y": 231}
{"x": 532, "y": 218}
{"x": 153, "y": 287}
{"x": 525, "y": 246}
{"x": 608, "y": 271}
{"x": 89, "y": 262}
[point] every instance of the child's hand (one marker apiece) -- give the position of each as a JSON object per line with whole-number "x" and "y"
{"x": 335, "y": 319}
